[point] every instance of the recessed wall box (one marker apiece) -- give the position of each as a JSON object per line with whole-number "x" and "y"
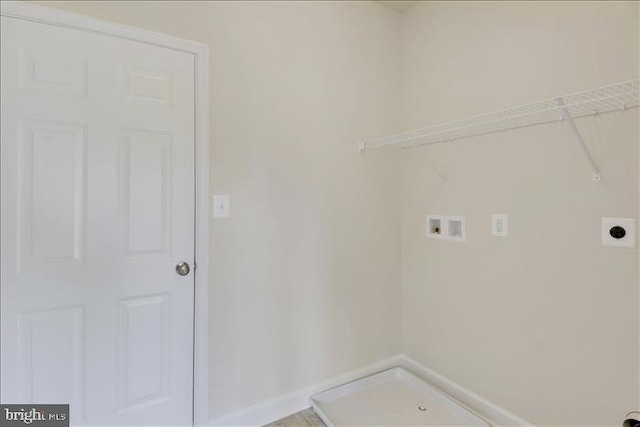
{"x": 434, "y": 226}
{"x": 446, "y": 227}
{"x": 456, "y": 228}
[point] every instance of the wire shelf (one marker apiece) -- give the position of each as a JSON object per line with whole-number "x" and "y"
{"x": 614, "y": 97}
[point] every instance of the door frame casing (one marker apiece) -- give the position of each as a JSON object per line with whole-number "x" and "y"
{"x": 200, "y": 51}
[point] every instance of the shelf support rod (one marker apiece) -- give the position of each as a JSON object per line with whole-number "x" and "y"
{"x": 442, "y": 177}
{"x": 567, "y": 116}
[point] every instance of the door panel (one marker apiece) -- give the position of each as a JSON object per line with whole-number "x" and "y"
{"x": 144, "y": 193}
{"x": 97, "y": 210}
{"x": 51, "y": 356}
{"x": 143, "y": 352}
{"x": 51, "y": 193}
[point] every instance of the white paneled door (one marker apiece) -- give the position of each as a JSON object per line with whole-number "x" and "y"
{"x": 97, "y": 211}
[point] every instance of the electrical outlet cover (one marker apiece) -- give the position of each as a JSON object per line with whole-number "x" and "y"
{"x": 629, "y": 226}
{"x": 500, "y": 225}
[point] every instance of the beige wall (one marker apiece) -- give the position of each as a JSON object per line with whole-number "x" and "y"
{"x": 305, "y": 275}
{"x": 544, "y": 322}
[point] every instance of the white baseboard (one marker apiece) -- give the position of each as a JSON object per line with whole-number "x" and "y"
{"x": 493, "y": 413}
{"x": 283, "y": 406}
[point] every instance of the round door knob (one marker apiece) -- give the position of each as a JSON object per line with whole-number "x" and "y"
{"x": 182, "y": 268}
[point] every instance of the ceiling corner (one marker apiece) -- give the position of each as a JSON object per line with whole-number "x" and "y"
{"x": 398, "y": 5}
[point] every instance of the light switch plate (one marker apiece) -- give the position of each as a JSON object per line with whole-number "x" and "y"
{"x": 629, "y": 226}
{"x": 221, "y": 206}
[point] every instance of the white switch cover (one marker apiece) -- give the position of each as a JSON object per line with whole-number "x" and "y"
{"x": 221, "y": 206}
{"x": 626, "y": 224}
{"x": 500, "y": 225}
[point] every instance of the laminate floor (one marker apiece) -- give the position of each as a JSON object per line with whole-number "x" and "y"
{"x": 306, "y": 418}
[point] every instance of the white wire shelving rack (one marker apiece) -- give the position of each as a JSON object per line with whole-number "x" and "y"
{"x": 605, "y": 99}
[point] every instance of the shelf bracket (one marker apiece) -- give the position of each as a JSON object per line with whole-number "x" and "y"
{"x": 567, "y": 116}
{"x": 442, "y": 177}
{"x": 361, "y": 146}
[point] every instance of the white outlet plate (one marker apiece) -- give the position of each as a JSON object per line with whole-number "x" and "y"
{"x": 500, "y": 225}
{"x": 629, "y": 225}
{"x": 221, "y": 206}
